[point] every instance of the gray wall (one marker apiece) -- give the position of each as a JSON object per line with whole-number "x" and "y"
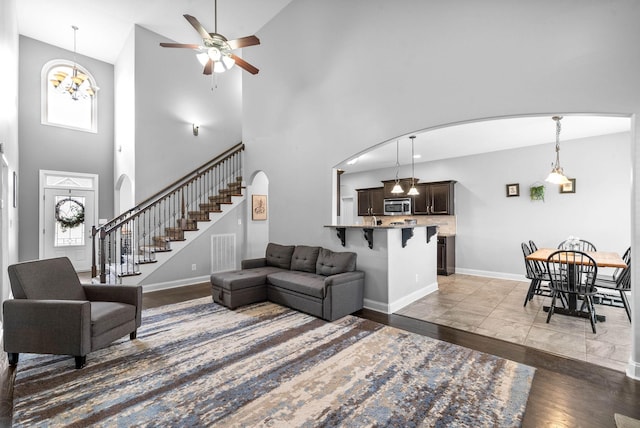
{"x": 9, "y": 139}
{"x": 490, "y": 223}
{"x": 54, "y": 148}
{"x": 390, "y": 68}
{"x": 171, "y": 93}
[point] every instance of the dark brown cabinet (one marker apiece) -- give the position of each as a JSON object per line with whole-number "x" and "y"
{"x": 371, "y": 201}
{"x": 434, "y": 198}
{"x": 446, "y": 255}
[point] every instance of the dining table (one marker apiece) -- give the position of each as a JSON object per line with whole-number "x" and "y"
{"x": 609, "y": 259}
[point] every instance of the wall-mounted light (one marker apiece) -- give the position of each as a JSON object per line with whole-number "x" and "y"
{"x": 196, "y": 129}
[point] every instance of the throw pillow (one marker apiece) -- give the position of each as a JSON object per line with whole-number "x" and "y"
{"x": 304, "y": 258}
{"x": 331, "y": 262}
{"x": 279, "y": 255}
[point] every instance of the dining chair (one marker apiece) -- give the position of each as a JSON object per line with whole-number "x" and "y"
{"x": 620, "y": 281}
{"x": 582, "y": 245}
{"x": 535, "y": 273}
{"x": 573, "y": 273}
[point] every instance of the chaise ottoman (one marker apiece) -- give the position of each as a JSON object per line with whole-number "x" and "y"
{"x": 240, "y": 287}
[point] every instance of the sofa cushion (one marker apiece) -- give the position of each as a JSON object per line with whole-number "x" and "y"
{"x": 108, "y": 315}
{"x": 239, "y": 279}
{"x": 299, "y": 282}
{"x": 331, "y": 262}
{"x": 279, "y": 255}
{"x": 304, "y": 258}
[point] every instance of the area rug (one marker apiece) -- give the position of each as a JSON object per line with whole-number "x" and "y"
{"x": 199, "y": 364}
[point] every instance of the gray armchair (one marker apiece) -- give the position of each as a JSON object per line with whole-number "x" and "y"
{"x": 52, "y": 313}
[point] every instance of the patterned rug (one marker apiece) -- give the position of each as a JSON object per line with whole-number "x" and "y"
{"x": 199, "y": 364}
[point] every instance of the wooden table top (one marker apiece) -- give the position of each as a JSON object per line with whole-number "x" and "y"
{"x": 602, "y": 258}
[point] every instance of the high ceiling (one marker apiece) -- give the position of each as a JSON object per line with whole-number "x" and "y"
{"x": 482, "y": 137}
{"x": 104, "y": 25}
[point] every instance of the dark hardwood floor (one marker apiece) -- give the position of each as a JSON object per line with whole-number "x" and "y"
{"x": 564, "y": 393}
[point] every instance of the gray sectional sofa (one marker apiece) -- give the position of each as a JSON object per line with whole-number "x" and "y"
{"x": 314, "y": 280}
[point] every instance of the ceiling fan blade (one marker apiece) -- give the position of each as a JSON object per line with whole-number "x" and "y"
{"x": 208, "y": 68}
{"x": 196, "y": 24}
{"x": 243, "y": 42}
{"x": 244, "y": 64}
{"x": 179, "y": 45}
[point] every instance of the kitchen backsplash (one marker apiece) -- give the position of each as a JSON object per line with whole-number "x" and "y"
{"x": 446, "y": 223}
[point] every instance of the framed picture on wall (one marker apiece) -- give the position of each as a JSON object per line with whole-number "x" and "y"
{"x": 568, "y": 187}
{"x": 513, "y": 190}
{"x": 258, "y": 207}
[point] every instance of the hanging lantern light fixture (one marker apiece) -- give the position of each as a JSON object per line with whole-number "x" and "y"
{"x": 556, "y": 176}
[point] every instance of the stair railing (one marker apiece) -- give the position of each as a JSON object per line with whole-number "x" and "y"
{"x": 135, "y": 236}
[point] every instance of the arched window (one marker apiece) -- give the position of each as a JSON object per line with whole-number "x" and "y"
{"x": 69, "y": 96}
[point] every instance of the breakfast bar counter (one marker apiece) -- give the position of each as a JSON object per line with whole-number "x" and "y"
{"x": 399, "y": 261}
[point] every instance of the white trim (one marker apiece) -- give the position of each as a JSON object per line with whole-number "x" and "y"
{"x": 633, "y": 369}
{"x": 491, "y": 274}
{"x": 175, "y": 283}
{"x": 44, "y": 91}
{"x": 43, "y": 173}
{"x": 390, "y": 308}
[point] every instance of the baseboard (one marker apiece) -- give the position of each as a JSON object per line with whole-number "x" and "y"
{"x": 389, "y": 308}
{"x": 633, "y": 369}
{"x": 491, "y": 274}
{"x": 418, "y": 294}
{"x": 175, "y": 284}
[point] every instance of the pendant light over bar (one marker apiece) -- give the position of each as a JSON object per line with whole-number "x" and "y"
{"x": 397, "y": 189}
{"x": 556, "y": 176}
{"x": 412, "y": 191}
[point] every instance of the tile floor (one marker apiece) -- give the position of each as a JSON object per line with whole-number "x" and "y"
{"x": 493, "y": 307}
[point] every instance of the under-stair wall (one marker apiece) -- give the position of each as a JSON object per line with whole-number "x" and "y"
{"x": 196, "y": 251}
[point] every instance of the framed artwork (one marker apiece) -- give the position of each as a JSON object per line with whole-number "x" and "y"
{"x": 568, "y": 187}
{"x": 258, "y": 207}
{"x": 513, "y": 190}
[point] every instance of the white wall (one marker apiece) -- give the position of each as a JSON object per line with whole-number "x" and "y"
{"x": 9, "y": 139}
{"x": 385, "y": 69}
{"x": 490, "y": 223}
{"x": 171, "y": 94}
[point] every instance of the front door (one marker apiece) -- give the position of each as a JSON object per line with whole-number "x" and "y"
{"x": 68, "y": 211}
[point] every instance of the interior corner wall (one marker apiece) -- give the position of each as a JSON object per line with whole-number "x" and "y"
{"x": 390, "y": 68}
{"x": 56, "y": 148}
{"x": 9, "y": 162}
{"x": 172, "y": 94}
{"x": 125, "y": 120}
{"x": 257, "y": 230}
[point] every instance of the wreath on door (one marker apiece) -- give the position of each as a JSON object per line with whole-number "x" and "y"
{"x": 69, "y": 213}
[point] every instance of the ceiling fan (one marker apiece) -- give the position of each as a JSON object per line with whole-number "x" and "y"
{"x": 215, "y": 52}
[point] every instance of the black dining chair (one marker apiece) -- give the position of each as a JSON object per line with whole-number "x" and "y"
{"x": 620, "y": 281}
{"x": 582, "y": 245}
{"x": 573, "y": 273}
{"x": 535, "y": 273}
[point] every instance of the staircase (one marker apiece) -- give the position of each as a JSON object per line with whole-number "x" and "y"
{"x": 122, "y": 246}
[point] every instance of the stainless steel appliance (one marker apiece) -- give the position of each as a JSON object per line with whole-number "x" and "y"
{"x": 397, "y": 206}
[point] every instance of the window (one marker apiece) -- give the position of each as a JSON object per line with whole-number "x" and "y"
{"x": 67, "y": 108}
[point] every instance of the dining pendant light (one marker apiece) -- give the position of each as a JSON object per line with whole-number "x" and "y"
{"x": 397, "y": 189}
{"x": 556, "y": 176}
{"x": 412, "y": 191}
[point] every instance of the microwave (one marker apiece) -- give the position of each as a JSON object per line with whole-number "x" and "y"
{"x": 399, "y": 206}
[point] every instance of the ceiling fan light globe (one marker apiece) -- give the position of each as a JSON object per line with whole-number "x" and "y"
{"x": 228, "y": 61}
{"x": 203, "y": 58}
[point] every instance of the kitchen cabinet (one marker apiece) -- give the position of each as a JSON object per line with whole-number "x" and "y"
{"x": 446, "y": 255}
{"x": 370, "y": 201}
{"x": 434, "y": 198}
